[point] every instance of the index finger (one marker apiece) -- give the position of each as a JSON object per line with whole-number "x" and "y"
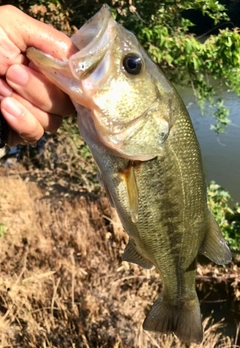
{"x": 26, "y": 31}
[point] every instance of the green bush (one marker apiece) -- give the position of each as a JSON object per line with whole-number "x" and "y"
{"x": 228, "y": 218}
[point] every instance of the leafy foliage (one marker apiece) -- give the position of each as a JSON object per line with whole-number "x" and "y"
{"x": 228, "y": 218}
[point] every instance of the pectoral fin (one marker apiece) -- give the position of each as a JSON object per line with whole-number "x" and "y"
{"x": 132, "y": 255}
{"x": 128, "y": 175}
{"x": 214, "y": 246}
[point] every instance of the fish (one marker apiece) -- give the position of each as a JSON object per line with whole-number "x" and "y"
{"x": 149, "y": 160}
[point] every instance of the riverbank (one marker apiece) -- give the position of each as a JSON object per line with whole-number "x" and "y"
{"x": 63, "y": 283}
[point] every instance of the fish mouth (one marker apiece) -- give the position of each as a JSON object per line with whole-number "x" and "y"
{"x": 93, "y": 29}
{"x": 93, "y": 40}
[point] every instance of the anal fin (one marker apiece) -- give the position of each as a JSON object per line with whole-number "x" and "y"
{"x": 214, "y": 246}
{"x": 132, "y": 255}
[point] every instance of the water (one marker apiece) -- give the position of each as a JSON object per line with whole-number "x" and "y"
{"x": 221, "y": 154}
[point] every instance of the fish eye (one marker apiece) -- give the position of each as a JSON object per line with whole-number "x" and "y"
{"x": 132, "y": 63}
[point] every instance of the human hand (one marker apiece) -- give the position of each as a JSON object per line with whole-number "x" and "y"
{"x": 29, "y": 102}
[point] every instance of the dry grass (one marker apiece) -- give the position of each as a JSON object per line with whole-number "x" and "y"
{"x": 62, "y": 280}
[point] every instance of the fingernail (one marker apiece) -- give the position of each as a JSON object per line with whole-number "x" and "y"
{"x": 12, "y": 108}
{"x": 18, "y": 74}
{"x": 5, "y": 89}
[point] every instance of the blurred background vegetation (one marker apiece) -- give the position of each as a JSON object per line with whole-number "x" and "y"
{"x": 194, "y": 42}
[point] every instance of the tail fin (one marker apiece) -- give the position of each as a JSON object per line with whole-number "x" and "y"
{"x": 183, "y": 319}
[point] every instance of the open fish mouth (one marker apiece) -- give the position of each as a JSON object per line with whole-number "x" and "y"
{"x": 93, "y": 29}
{"x": 93, "y": 40}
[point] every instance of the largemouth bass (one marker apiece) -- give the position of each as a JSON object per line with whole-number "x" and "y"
{"x": 149, "y": 160}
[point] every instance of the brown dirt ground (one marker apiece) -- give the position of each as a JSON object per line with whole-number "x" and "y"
{"x": 63, "y": 283}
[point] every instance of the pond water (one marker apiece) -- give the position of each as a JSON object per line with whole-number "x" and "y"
{"x": 221, "y": 154}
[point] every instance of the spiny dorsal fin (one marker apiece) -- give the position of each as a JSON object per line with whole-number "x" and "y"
{"x": 132, "y": 255}
{"x": 214, "y": 246}
{"x": 128, "y": 175}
